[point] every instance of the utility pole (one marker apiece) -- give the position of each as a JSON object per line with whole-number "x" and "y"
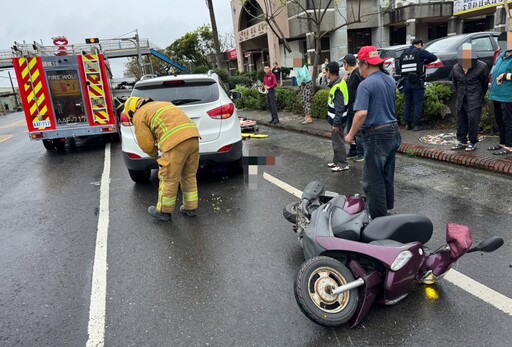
{"x": 13, "y": 90}
{"x": 218, "y": 56}
{"x": 141, "y": 63}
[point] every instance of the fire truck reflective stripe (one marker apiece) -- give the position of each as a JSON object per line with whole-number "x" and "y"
{"x": 96, "y": 90}
{"x": 94, "y": 78}
{"x": 101, "y": 117}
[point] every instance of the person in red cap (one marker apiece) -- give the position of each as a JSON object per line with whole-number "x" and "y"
{"x": 375, "y": 117}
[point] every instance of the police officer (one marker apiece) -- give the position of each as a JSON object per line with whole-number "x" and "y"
{"x": 161, "y": 126}
{"x": 412, "y": 68}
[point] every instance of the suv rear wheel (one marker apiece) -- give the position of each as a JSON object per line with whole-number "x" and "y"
{"x": 140, "y": 176}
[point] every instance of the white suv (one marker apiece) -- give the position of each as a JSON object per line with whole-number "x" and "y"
{"x": 203, "y": 100}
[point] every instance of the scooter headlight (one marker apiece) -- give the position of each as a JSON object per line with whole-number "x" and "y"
{"x": 401, "y": 260}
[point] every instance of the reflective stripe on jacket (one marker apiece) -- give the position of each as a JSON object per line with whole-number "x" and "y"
{"x": 163, "y": 123}
{"x": 341, "y": 86}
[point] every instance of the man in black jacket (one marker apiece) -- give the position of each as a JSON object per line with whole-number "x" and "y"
{"x": 412, "y": 67}
{"x": 353, "y": 79}
{"x": 470, "y": 78}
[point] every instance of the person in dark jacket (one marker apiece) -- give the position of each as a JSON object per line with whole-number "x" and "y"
{"x": 337, "y": 115}
{"x": 470, "y": 78}
{"x": 413, "y": 90}
{"x": 353, "y": 79}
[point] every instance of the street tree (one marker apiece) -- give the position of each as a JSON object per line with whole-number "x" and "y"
{"x": 193, "y": 48}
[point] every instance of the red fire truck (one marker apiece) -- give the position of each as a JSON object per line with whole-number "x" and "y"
{"x": 65, "y": 91}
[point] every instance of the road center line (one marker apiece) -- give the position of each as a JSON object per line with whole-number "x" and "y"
{"x": 490, "y": 296}
{"x": 96, "y": 329}
{"x": 13, "y": 125}
{"x": 4, "y": 138}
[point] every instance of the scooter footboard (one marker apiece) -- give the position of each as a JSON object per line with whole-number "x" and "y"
{"x": 370, "y": 292}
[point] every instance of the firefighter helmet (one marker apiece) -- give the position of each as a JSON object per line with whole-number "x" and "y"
{"x": 133, "y": 104}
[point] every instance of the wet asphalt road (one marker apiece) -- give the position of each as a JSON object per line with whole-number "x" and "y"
{"x": 224, "y": 278}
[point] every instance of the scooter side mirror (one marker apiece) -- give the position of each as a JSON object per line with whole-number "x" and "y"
{"x": 489, "y": 245}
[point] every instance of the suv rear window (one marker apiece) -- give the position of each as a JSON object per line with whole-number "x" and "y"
{"x": 180, "y": 92}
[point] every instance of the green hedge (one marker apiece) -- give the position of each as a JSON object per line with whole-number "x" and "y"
{"x": 287, "y": 99}
{"x": 436, "y": 97}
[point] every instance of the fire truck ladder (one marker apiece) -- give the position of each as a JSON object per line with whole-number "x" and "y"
{"x": 97, "y": 99}
{"x": 32, "y": 80}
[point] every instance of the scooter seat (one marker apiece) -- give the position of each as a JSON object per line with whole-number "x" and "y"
{"x": 403, "y": 228}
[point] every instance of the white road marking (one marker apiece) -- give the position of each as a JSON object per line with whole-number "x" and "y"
{"x": 283, "y": 185}
{"x": 481, "y": 291}
{"x": 96, "y": 329}
{"x": 4, "y": 138}
{"x": 490, "y": 296}
{"x": 13, "y": 125}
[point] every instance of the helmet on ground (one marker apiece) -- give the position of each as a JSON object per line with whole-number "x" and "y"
{"x": 132, "y": 104}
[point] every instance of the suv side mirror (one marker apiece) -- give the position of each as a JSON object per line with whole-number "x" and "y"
{"x": 235, "y": 95}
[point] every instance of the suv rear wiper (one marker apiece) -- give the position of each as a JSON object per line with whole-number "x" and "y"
{"x": 184, "y": 101}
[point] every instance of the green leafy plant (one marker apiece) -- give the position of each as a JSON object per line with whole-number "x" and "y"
{"x": 286, "y": 98}
{"x": 488, "y": 121}
{"x": 319, "y": 104}
{"x": 436, "y": 96}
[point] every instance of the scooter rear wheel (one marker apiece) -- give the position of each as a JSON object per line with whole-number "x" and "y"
{"x": 313, "y": 285}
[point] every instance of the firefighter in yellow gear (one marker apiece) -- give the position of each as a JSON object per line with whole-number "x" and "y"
{"x": 161, "y": 126}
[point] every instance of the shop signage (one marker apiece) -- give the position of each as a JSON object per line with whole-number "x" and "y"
{"x": 466, "y": 6}
{"x": 232, "y": 54}
{"x": 252, "y": 32}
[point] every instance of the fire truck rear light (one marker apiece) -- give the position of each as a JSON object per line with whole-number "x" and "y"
{"x": 133, "y": 156}
{"x": 37, "y": 136}
{"x": 437, "y": 64}
{"x": 225, "y": 149}
{"x": 124, "y": 120}
{"x": 222, "y": 112}
{"x": 107, "y": 130}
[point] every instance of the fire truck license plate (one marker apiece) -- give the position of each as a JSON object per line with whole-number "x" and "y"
{"x": 42, "y": 124}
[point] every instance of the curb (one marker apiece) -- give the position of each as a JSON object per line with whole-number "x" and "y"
{"x": 471, "y": 160}
{"x": 455, "y": 157}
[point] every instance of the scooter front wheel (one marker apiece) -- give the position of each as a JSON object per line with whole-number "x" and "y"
{"x": 315, "y": 281}
{"x": 290, "y": 212}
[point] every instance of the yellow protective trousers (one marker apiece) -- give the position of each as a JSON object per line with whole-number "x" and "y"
{"x": 178, "y": 166}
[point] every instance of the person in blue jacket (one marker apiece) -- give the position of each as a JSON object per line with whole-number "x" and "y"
{"x": 501, "y": 95}
{"x": 412, "y": 64}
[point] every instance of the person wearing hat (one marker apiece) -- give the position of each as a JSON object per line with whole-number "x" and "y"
{"x": 337, "y": 115}
{"x": 161, "y": 126}
{"x": 412, "y": 69}
{"x": 353, "y": 79}
{"x": 375, "y": 117}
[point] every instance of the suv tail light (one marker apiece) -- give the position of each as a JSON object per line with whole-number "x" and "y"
{"x": 388, "y": 62}
{"x": 225, "y": 149}
{"x": 222, "y": 112}
{"x": 435, "y": 65}
{"x": 124, "y": 120}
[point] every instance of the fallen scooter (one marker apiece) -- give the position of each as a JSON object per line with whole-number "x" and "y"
{"x": 353, "y": 261}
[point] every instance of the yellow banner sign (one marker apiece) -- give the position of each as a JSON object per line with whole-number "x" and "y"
{"x": 466, "y": 6}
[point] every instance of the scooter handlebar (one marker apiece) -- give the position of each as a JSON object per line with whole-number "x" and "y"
{"x": 305, "y": 207}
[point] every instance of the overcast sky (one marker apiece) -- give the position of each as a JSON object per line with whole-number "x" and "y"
{"x": 161, "y": 21}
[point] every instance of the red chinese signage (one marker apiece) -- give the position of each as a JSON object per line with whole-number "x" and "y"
{"x": 232, "y": 54}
